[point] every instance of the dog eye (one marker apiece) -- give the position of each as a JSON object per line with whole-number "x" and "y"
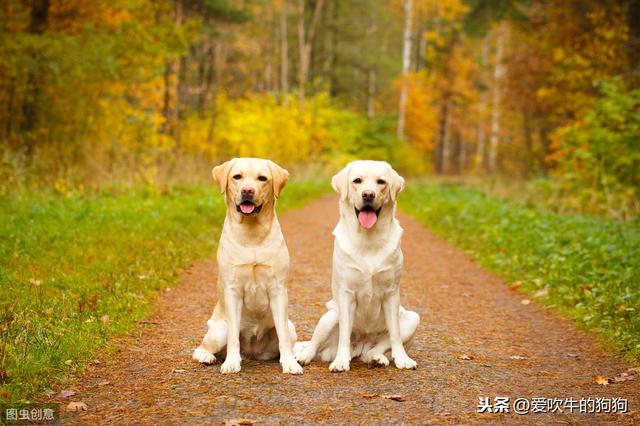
{"x": 237, "y": 177}
{"x": 357, "y": 180}
{"x": 262, "y": 178}
{"x": 381, "y": 182}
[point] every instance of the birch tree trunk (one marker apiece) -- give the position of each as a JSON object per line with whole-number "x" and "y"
{"x": 305, "y": 41}
{"x": 406, "y": 65}
{"x": 284, "y": 50}
{"x": 498, "y": 74}
{"x": 371, "y": 93}
{"x": 480, "y": 143}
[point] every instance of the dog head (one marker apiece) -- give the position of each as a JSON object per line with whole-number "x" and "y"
{"x": 369, "y": 187}
{"x": 250, "y": 183}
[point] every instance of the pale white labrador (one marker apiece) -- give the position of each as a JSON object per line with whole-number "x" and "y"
{"x": 251, "y": 315}
{"x": 364, "y": 317}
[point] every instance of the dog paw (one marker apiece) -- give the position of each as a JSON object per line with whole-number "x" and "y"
{"x": 405, "y": 363}
{"x": 230, "y": 365}
{"x": 303, "y": 353}
{"x": 339, "y": 364}
{"x": 375, "y": 359}
{"x": 203, "y": 356}
{"x": 290, "y": 366}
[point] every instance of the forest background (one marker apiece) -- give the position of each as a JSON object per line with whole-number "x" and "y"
{"x": 97, "y": 94}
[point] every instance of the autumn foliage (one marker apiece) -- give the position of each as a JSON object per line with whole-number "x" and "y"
{"x": 96, "y": 93}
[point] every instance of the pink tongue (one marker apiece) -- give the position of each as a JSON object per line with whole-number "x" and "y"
{"x": 367, "y": 219}
{"x": 247, "y": 208}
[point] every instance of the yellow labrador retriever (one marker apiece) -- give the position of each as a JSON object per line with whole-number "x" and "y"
{"x": 251, "y": 315}
{"x": 364, "y": 317}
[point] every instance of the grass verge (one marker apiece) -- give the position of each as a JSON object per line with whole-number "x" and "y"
{"x": 588, "y": 268}
{"x": 77, "y": 270}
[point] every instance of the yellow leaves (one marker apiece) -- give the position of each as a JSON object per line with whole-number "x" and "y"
{"x": 600, "y": 380}
{"x": 260, "y": 126}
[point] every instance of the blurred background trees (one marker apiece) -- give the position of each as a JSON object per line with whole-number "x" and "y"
{"x": 150, "y": 91}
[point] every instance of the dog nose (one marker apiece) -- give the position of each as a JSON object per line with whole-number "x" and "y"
{"x": 247, "y": 191}
{"x": 368, "y": 195}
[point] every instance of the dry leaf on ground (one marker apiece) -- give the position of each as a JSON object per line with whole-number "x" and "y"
{"x": 525, "y": 302}
{"x": 77, "y": 406}
{"x": 397, "y": 397}
{"x": 466, "y": 357}
{"x": 66, "y": 393}
{"x": 541, "y": 293}
{"x": 237, "y": 422}
{"x": 601, "y": 380}
{"x": 516, "y": 285}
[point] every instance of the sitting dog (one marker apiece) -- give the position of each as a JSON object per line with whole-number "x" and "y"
{"x": 251, "y": 315}
{"x": 364, "y": 317}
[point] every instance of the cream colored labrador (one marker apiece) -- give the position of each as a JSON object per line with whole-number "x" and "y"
{"x": 251, "y": 315}
{"x": 364, "y": 317}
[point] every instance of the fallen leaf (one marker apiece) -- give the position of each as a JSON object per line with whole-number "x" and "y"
{"x": 525, "y": 302}
{"x": 237, "y": 422}
{"x": 517, "y": 357}
{"x": 570, "y": 355}
{"x": 399, "y": 398}
{"x": 465, "y": 357}
{"x": 178, "y": 370}
{"x": 96, "y": 362}
{"x": 104, "y": 383}
{"x": 634, "y": 370}
{"x": 77, "y": 406}
{"x": 622, "y": 377}
{"x": 541, "y": 293}
{"x": 66, "y": 393}
{"x": 516, "y": 285}
{"x": 601, "y": 380}
{"x": 104, "y": 318}
{"x": 35, "y": 282}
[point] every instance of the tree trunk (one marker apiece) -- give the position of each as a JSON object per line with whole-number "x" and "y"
{"x": 371, "y": 92}
{"x": 634, "y": 39}
{"x": 480, "y": 144}
{"x": 446, "y": 139}
{"x": 305, "y": 43}
{"x": 498, "y": 74}
{"x": 284, "y": 50}
{"x": 406, "y": 66}
{"x": 30, "y": 113}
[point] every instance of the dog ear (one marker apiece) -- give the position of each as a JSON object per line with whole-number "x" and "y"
{"x": 340, "y": 182}
{"x": 397, "y": 185}
{"x": 221, "y": 173}
{"x": 280, "y": 177}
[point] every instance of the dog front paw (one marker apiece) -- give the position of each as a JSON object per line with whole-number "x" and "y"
{"x": 375, "y": 359}
{"x": 303, "y": 352}
{"x": 341, "y": 363}
{"x": 290, "y": 366}
{"x": 405, "y": 363}
{"x": 230, "y": 365}
{"x": 203, "y": 356}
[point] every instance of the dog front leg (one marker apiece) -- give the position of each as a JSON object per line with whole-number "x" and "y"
{"x": 279, "y": 301}
{"x": 233, "y": 304}
{"x": 347, "y": 307}
{"x": 391, "y": 307}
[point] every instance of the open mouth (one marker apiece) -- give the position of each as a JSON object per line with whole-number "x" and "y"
{"x": 367, "y": 216}
{"x": 248, "y": 208}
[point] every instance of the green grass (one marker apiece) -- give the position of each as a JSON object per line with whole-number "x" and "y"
{"x": 589, "y": 266}
{"x": 68, "y": 262}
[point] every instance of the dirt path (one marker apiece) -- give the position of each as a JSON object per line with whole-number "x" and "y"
{"x": 516, "y": 350}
